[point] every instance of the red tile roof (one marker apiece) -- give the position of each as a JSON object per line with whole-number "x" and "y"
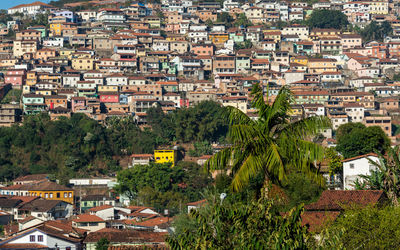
{"x": 359, "y": 157}
{"x": 127, "y": 236}
{"x": 153, "y": 222}
{"x": 315, "y": 220}
{"x": 24, "y": 246}
{"x": 99, "y": 208}
{"x": 87, "y": 218}
{"x": 336, "y": 200}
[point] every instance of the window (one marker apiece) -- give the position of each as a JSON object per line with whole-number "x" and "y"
{"x": 46, "y": 195}
{"x": 58, "y": 195}
{"x": 352, "y": 165}
{"x": 40, "y": 238}
{"x": 32, "y": 238}
{"x": 51, "y": 195}
{"x": 70, "y": 194}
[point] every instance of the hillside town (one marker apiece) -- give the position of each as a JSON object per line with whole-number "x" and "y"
{"x": 115, "y": 59}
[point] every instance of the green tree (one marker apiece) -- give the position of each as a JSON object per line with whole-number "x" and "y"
{"x": 242, "y": 21}
{"x": 355, "y": 139}
{"x": 271, "y": 145}
{"x": 225, "y": 17}
{"x": 220, "y": 225}
{"x": 327, "y": 19}
{"x": 201, "y": 148}
{"x": 102, "y": 244}
{"x": 160, "y": 186}
{"x": 244, "y": 45}
{"x": 335, "y": 161}
{"x": 364, "y": 228}
{"x": 300, "y": 190}
{"x": 387, "y": 174}
{"x": 374, "y": 31}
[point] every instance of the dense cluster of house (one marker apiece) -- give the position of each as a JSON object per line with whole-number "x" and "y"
{"x": 116, "y": 59}
{"x": 119, "y": 60}
{"x": 38, "y": 213}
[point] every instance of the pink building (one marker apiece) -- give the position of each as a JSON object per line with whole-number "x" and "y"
{"x": 109, "y": 97}
{"x": 173, "y": 27}
{"x": 203, "y": 49}
{"x": 15, "y": 77}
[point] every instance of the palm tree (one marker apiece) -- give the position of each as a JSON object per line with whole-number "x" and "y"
{"x": 270, "y": 145}
{"x": 389, "y": 168}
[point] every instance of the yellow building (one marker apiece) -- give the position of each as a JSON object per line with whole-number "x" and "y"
{"x": 303, "y": 60}
{"x": 378, "y": 7}
{"x": 83, "y": 63}
{"x": 321, "y": 65}
{"x": 52, "y": 191}
{"x": 56, "y": 29}
{"x": 65, "y": 52}
{"x": 31, "y": 78}
{"x": 107, "y": 88}
{"x": 48, "y": 77}
{"x": 218, "y": 38}
{"x": 295, "y": 111}
{"x": 163, "y": 156}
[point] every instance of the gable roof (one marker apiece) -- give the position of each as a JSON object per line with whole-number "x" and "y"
{"x": 99, "y": 208}
{"x": 40, "y": 205}
{"x": 87, "y": 218}
{"x": 32, "y": 177}
{"x": 334, "y": 200}
{"x": 127, "y": 236}
{"x": 359, "y": 157}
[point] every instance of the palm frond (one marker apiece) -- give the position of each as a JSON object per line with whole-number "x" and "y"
{"x": 242, "y": 133}
{"x": 236, "y": 116}
{"x": 220, "y": 160}
{"x": 250, "y": 168}
{"x": 306, "y": 127}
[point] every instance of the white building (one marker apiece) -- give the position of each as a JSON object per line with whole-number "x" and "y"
{"x": 91, "y": 181}
{"x": 40, "y": 238}
{"x": 356, "y": 166}
{"x": 30, "y": 9}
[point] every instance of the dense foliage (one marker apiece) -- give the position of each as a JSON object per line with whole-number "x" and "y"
{"x": 80, "y": 146}
{"x": 376, "y": 32}
{"x": 355, "y": 139}
{"x": 271, "y": 145}
{"x": 234, "y": 225}
{"x": 160, "y": 186}
{"x": 204, "y": 121}
{"x": 300, "y": 190}
{"x": 386, "y": 175}
{"x": 325, "y": 19}
{"x": 367, "y": 228}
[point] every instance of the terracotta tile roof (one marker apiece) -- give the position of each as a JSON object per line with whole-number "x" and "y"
{"x": 49, "y": 186}
{"x": 315, "y": 220}
{"x": 196, "y": 203}
{"x": 127, "y": 236}
{"x": 37, "y": 3}
{"x": 153, "y": 222}
{"x": 32, "y": 177}
{"x": 335, "y": 200}
{"x": 87, "y": 218}
{"x": 65, "y": 226}
{"x": 359, "y": 157}
{"x": 99, "y": 208}
{"x": 29, "y": 218}
{"x": 23, "y": 246}
{"x": 40, "y": 205}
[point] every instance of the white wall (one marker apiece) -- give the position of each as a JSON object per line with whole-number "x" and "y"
{"x": 353, "y": 169}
